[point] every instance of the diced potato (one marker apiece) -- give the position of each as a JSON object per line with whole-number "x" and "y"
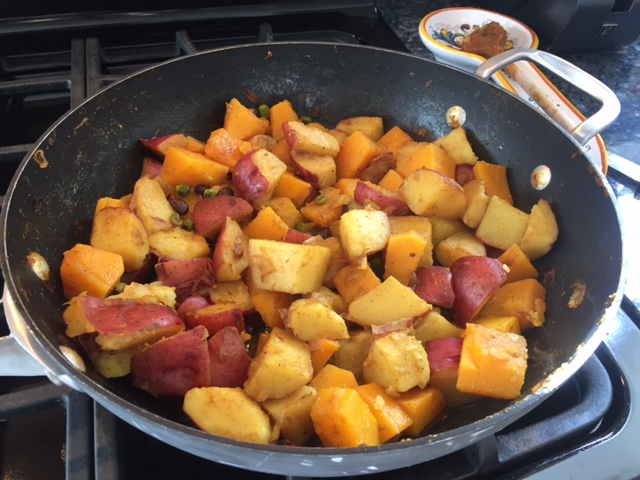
{"x": 119, "y": 230}
{"x": 443, "y": 228}
{"x": 287, "y": 267}
{"x": 458, "y": 245}
{"x": 292, "y": 415}
{"x": 541, "y": 232}
{"x": 504, "y": 323}
{"x": 415, "y": 155}
{"x": 477, "y": 202}
{"x": 397, "y": 362}
{"x": 431, "y": 193}
{"x": 280, "y": 367}
{"x": 310, "y": 319}
{"x": 150, "y": 204}
{"x": 363, "y": 232}
{"x": 372, "y": 127}
{"x": 502, "y": 225}
{"x": 228, "y": 412}
{"x": 352, "y": 352}
{"x": 433, "y": 325}
{"x": 178, "y": 244}
{"x": 342, "y": 419}
{"x": 387, "y": 302}
{"x": 492, "y": 363}
{"x": 457, "y": 145}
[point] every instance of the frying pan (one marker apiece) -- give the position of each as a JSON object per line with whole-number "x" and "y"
{"x": 94, "y": 151}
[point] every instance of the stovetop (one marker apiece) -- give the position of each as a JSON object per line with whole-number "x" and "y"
{"x": 51, "y": 431}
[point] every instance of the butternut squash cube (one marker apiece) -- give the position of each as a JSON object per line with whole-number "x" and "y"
{"x": 356, "y": 153}
{"x": 518, "y": 263}
{"x": 494, "y": 178}
{"x": 266, "y": 225}
{"x": 293, "y": 188}
{"x": 321, "y": 351}
{"x": 226, "y": 149}
{"x": 391, "y": 417}
{"x": 391, "y": 180}
{"x": 354, "y": 281}
{"x": 183, "y": 166}
{"x": 280, "y": 113}
{"x": 342, "y": 419}
{"x": 492, "y": 363}
{"x": 269, "y": 304}
{"x": 88, "y": 269}
{"x": 331, "y": 376}
{"x": 241, "y": 122}
{"x": 423, "y": 405}
{"x": 525, "y": 299}
{"x": 402, "y": 256}
{"x": 416, "y": 155}
{"x": 394, "y": 138}
{"x": 502, "y": 323}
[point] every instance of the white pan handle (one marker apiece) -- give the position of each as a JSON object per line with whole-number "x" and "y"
{"x": 590, "y": 127}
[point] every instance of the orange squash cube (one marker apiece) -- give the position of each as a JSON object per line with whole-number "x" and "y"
{"x": 183, "y": 166}
{"x": 524, "y": 299}
{"x": 416, "y": 155}
{"x": 503, "y": 323}
{"x": 356, "y": 153}
{"x": 225, "y": 148}
{"x": 391, "y": 181}
{"x": 393, "y": 139}
{"x": 266, "y": 225}
{"x": 241, "y": 122}
{"x": 280, "y": 113}
{"x": 391, "y": 417}
{"x": 352, "y": 282}
{"x": 347, "y": 186}
{"x": 494, "y": 178}
{"x": 321, "y": 351}
{"x": 520, "y": 267}
{"x": 286, "y": 210}
{"x": 342, "y": 419}
{"x": 423, "y": 405}
{"x": 331, "y": 376}
{"x": 88, "y": 269}
{"x": 326, "y": 211}
{"x": 268, "y": 304}
{"x": 492, "y": 363}
{"x": 403, "y": 254}
{"x": 293, "y": 188}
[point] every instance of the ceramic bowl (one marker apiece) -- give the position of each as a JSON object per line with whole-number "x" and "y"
{"x": 442, "y": 32}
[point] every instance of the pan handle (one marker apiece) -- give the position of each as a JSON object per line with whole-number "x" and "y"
{"x": 591, "y": 126}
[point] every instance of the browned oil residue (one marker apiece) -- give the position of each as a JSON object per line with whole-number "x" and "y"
{"x": 40, "y": 159}
{"x": 548, "y": 278}
{"x": 84, "y": 121}
{"x": 579, "y": 289}
{"x": 427, "y": 85}
{"x": 269, "y": 55}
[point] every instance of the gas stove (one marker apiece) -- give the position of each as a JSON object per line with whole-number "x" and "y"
{"x": 51, "y": 62}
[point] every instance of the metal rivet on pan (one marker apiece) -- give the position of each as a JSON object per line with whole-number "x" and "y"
{"x": 456, "y": 116}
{"x": 74, "y": 357}
{"x": 540, "y": 177}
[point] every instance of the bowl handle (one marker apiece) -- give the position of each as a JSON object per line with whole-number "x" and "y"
{"x": 591, "y": 126}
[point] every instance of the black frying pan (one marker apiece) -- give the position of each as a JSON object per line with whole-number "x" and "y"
{"x": 94, "y": 152}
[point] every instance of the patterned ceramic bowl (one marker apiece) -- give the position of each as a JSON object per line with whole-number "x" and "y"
{"x": 442, "y": 32}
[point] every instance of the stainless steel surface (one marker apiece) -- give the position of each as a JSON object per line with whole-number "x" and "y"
{"x": 593, "y": 125}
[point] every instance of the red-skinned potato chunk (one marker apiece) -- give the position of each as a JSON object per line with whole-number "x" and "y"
{"x": 174, "y": 365}
{"x": 444, "y": 361}
{"x": 215, "y": 317}
{"x": 229, "y": 358}
{"x": 159, "y": 145}
{"x": 120, "y": 324}
{"x": 317, "y": 169}
{"x": 367, "y": 193}
{"x": 210, "y": 214}
{"x": 256, "y": 176}
{"x": 187, "y": 276}
{"x": 433, "y": 285}
{"x": 474, "y": 281}
{"x": 230, "y": 256}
